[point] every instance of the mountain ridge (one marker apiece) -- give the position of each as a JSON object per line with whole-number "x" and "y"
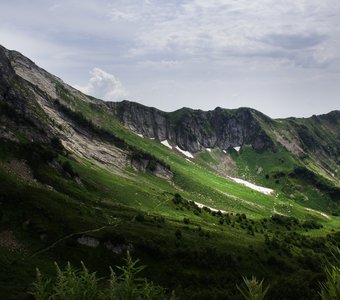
{"x": 191, "y": 130}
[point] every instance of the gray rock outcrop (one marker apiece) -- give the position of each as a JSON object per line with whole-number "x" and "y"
{"x": 194, "y": 130}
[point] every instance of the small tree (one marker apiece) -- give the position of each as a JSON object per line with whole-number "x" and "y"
{"x": 177, "y": 199}
{"x": 186, "y": 220}
{"x": 253, "y": 289}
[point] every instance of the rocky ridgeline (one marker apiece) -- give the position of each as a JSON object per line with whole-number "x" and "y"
{"x": 194, "y": 130}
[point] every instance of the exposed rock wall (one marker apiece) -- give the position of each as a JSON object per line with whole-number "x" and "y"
{"x": 194, "y": 130}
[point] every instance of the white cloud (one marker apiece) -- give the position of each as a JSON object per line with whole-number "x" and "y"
{"x": 104, "y": 86}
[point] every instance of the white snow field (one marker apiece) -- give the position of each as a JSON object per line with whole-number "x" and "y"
{"x": 186, "y": 153}
{"x": 255, "y": 187}
{"x": 166, "y": 144}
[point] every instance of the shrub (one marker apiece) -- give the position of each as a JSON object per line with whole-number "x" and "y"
{"x": 74, "y": 284}
{"x": 67, "y": 167}
{"x": 330, "y": 289}
{"x": 312, "y": 224}
{"x": 177, "y": 199}
{"x": 140, "y": 218}
{"x": 253, "y": 289}
{"x": 186, "y": 220}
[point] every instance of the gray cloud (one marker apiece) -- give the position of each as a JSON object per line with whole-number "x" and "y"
{"x": 294, "y": 41}
{"x": 186, "y": 53}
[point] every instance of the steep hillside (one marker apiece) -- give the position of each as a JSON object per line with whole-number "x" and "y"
{"x": 196, "y": 130}
{"x": 203, "y": 198}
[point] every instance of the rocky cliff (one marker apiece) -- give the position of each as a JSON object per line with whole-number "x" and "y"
{"x": 194, "y": 130}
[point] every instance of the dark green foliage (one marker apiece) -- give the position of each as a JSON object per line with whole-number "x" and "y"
{"x": 140, "y": 218}
{"x": 186, "y": 220}
{"x": 76, "y": 284}
{"x": 178, "y": 234}
{"x": 309, "y": 142}
{"x": 284, "y": 221}
{"x": 57, "y": 145}
{"x": 18, "y": 116}
{"x": 152, "y": 161}
{"x": 67, "y": 167}
{"x": 253, "y": 289}
{"x": 36, "y": 152}
{"x": 330, "y": 289}
{"x": 311, "y": 224}
{"x": 177, "y": 199}
{"x": 317, "y": 181}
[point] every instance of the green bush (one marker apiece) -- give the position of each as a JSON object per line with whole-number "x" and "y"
{"x": 330, "y": 289}
{"x": 253, "y": 289}
{"x": 75, "y": 284}
{"x": 186, "y": 220}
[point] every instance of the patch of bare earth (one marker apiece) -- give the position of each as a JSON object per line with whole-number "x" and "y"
{"x": 292, "y": 146}
{"x": 82, "y": 144}
{"x": 226, "y": 166}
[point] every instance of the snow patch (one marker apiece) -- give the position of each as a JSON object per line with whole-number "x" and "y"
{"x": 186, "y": 153}
{"x": 238, "y": 148}
{"x": 258, "y": 188}
{"x": 139, "y": 134}
{"x": 166, "y": 144}
{"x": 224, "y": 151}
{"x": 200, "y": 205}
{"x": 208, "y": 149}
{"x": 318, "y": 212}
{"x": 189, "y": 160}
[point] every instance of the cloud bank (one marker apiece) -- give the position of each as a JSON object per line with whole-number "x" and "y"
{"x": 104, "y": 86}
{"x": 279, "y": 56}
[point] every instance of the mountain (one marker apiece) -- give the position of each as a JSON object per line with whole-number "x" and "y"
{"x": 202, "y": 197}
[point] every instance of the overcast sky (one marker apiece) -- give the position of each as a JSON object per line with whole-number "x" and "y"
{"x": 281, "y": 57}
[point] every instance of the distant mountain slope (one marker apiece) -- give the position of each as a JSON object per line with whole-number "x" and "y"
{"x": 195, "y": 130}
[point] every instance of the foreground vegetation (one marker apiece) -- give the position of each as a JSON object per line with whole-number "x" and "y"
{"x": 73, "y": 283}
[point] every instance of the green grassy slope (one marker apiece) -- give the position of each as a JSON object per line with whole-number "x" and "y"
{"x": 150, "y": 220}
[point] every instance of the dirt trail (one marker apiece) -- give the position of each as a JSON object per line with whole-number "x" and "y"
{"x": 69, "y": 236}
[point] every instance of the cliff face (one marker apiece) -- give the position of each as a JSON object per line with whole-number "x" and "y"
{"x": 194, "y": 130}
{"x": 19, "y": 111}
